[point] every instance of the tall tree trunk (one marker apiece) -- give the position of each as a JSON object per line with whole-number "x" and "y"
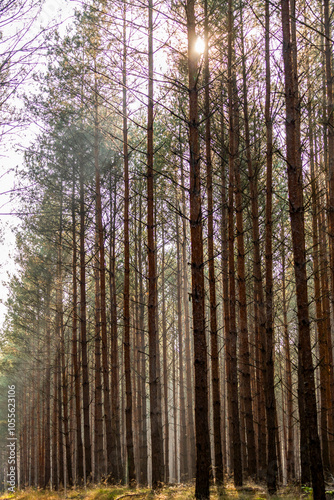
{"x": 143, "y": 452}
{"x": 224, "y": 266}
{"x": 47, "y": 461}
{"x": 321, "y": 326}
{"x": 165, "y": 363}
{"x": 114, "y": 466}
{"x": 219, "y": 469}
{"x": 126, "y": 310}
{"x": 62, "y": 364}
{"x": 137, "y": 400}
{"x": 38, "y": 398}
{"x": 325, "y": 342}
{"x": 328, "y": 19}
{"x": 54, "y": 458}
{"x": 188, "y": 354}
{"x": 295, "y": 188}
{"x": 60, "y": 437}
{"x": 175, "y": 447}
{"x": 79, "y": 464}
{"x": 231, "y": 348}
{"x": 245, "y": 357}
{"x": 155, "y": 408}
{"x": 32, "y": 435}
{"x": 203, "y": 458}
{"x": 98, "y": 403}
{"x": 83, "y": 333}
{"x": 101, "y": 279}
{"x": 66, "y": 430}
{"x": 330, "y": 124}
{"x": 259, "y": 322}
{"x": 270, "y": 382}
{"x": 291, "y": 473}
{"x": 183, "y": 429}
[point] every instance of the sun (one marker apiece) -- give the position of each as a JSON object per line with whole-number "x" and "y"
{"x": 200, "y": 45}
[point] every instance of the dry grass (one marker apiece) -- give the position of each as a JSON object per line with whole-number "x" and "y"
{"x": 179, "y": 492}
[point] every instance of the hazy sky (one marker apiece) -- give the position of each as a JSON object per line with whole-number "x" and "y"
{"x": 54, "y": 11}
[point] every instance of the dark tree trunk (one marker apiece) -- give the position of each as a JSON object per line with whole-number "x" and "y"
{"x": 79, "y": 464}
{"x": 165, "y": 362}
{"x": 175, "y": 443}
{"x": 270, "y": 382}
{"x": 224, "y": 267}
{"x": 143, "y": 452}
{"x": 101, "y": 279}
{"x": 62, "y": 364}
{"x": 225, "y": 278}
{"x": 295, "y": 187}
{"x": 203, "y": 459}
{"x": 54, "y": 458}
{"x": 328, "y": 20}
{"x": 231, "y": 345}
{"x": 60, "y": 437}
{"x": 126, "y": 309}
{"x": 47, "y": 424}
{"x": 114, "y": 460}
{"x": 325, "y": 331}
{"x": 83, "y": 334}
{"x": 291, "y": 473}
{"x": 98, "y": 403}
{"x": 321, "y": 324}
{"x": 247, "y": 371}
{"x": 183, "y": 429}
{"x": 155, "y": 408}
{"x": 189, "y": 370}
{"x": 219, "y": 469}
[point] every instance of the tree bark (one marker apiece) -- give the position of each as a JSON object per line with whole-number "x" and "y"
{"x": 219, "y": 469}
{"x": 77, "y": 391}
{"x": 224, "y": 267}
{"x": 270, "y": 376}
{"x": 203, "y": 459}
{"x": 188, "y": 354}
{"x": 330, "y": 158}
{"x": 183, "y": 429}
{"x": 291, "y": 474}
{"x": 114, "y": 466}
{"x": 98, "y": 403}
{"x": 165, "y": 363}
{"x": 54, "y": 457}
{"x": 245, "y": 357}
{"x": 126, "y": 309}
{"x": 47, "y": 429}
{"x": 295, "y": 188}
{"x": 231, "y": 348}
{"x": 143, "y": 452}
{"x": 83, "y": 334}
{"x": 155, "y": 409}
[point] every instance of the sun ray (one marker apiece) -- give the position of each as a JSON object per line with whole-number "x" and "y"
{"x": 200, "y": 45}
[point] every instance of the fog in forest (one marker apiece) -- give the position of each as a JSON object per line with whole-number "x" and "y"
{"x": 167, "y": 227}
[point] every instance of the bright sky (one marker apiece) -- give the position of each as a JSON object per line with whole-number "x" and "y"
{"x": 11, "y": 151}
{"x": 53, "y": 11}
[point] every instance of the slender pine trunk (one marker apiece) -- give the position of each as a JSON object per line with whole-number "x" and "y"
{"x": 295, "y": 188}
{"x": 155, "y": 408}
{"x": 203, "y": 458}
{"x": 219, "y": 468}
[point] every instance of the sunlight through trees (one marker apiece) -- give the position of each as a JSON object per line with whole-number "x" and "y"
{"x": 171, "y": 317}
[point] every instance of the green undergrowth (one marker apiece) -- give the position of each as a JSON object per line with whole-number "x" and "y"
{"x": 178, "y": 492}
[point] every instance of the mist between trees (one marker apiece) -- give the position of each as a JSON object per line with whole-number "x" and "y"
{"x": 171, "y": 317}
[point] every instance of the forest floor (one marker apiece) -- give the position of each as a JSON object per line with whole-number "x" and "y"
{"x": 179, "y": 492}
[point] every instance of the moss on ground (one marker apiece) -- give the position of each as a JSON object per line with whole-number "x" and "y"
{"x": 179, "y": 492}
